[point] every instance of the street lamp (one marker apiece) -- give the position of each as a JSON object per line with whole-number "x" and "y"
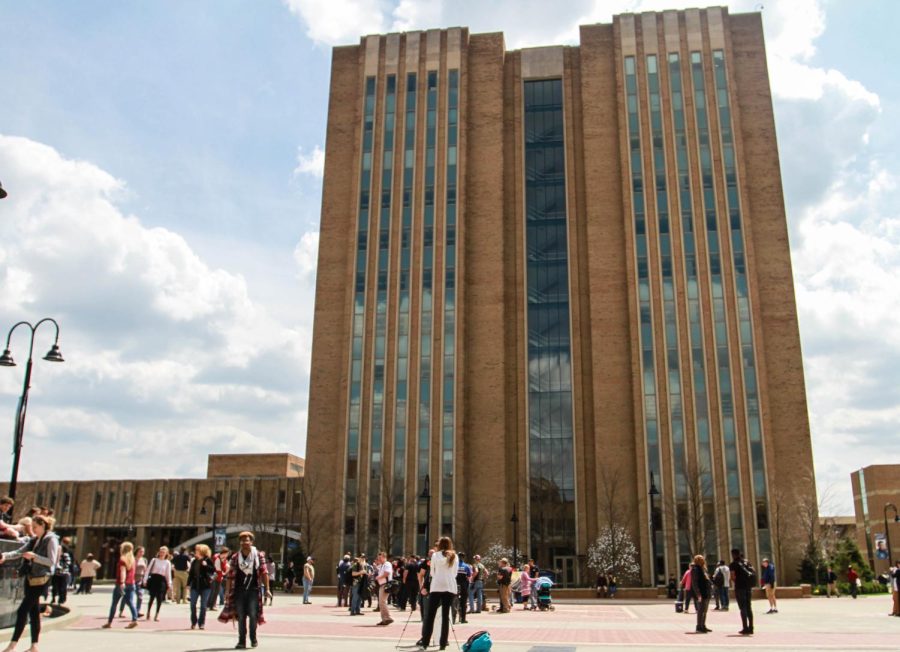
{"x": 426, "y": 496}
{"x": 203, "y": 513}
{"x": 654, "y": 492}
{"x": 6, "y": 360}
{"x": 887, "y": 532}
{"x": 515, "y": 521}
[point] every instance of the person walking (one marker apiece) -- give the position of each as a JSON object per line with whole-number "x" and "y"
{"x": 411, "y": 583}
{"x": 243, "y": 600}
{"x": 181, "y": 562}
{"x": 463, "y": 580}
{"x": 200, "y": 580}
{"x": 124, "y": 587}
{"x": 217, "y": 590}
{"x": 526, "y": 589}
{"x": 87, "y": 573}
{"x": 60, "y": 581}
{"x": 722, "y": 581}
{"x": 288, "y": 577}
{"x": 40, "y": 554}
{"x": 444, "y": 566}
{"x": 158, "y": 580}
{"x": 309, "y": 576}
{"x": 743, "y": 576}
{"x": 700, "y": 587}
{"x": 140, "y": 572}
{"x": 686, "y": 590}
{"x": 343, "y": 581}
{"x": 895, "y": 587}
{"x": 357, "y": 577}
{"x": 478, "y": 585}
{"x": 831, "y": 583}
{"x": 504, "y": 579}
{"x": 384, "y": 573}
{"x": 853, "y": 579}
{"x": 767, "y": 581}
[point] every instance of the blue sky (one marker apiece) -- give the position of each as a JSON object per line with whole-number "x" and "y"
{"x": 164, "y": 165}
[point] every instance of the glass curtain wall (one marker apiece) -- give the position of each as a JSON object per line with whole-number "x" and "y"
{"x": 648, "y": 364}
{"x": 720, "y": 328}
{"x": 449, "y": 366}
{"x": 351, "y": 526}
{"x": 401, "y": 392}
{"x": 745, "y": 325}
{"x": 379, "y": 514}
{"x": 550, "y": 439}
{"x": 695, "y": 322}
{"x": 426, "y": 303}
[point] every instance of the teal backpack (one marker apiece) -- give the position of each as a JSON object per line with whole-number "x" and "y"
{"x": 478, "y": 642}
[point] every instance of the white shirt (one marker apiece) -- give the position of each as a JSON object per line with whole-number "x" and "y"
{"x": 443, "y": 576}
{"x": 385, "y": 573}
{"x": 726, "y": 575}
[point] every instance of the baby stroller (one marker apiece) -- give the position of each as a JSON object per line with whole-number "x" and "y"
{"x": 543, "y": 587}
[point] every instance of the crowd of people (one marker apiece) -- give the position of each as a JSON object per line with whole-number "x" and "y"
{"x": 444, "y": 580}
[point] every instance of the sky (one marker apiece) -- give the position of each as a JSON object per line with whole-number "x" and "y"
{"x": 164, "y": 164}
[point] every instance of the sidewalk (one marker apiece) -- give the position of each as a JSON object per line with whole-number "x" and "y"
{"x": 813, "y": 624}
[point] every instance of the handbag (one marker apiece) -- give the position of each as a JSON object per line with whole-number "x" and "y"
{"x": 38, "y": 581}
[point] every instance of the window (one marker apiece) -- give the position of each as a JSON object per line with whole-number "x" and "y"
{"x": 232, "y": 499}
{"x": 125, "y": 498}
{"x": 157, "y": 499}
{"x": 185, "y": 499}
{"x": 248, "y": 498}
{"x": 53, "y": 500}
{"x": 218, "y": 497}
{"x": 282, "y": 497}
{"x": 98, "y": 500}
{"x": 111, "y": 501}
{"x": 66, "y": 499}
{"x": 171, "y": 500}
{"x": 40, "y": 498}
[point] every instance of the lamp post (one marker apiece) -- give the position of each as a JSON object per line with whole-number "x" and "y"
{"x": 515, "y": 522}
{"x": 426, "y": 496}
{"x": 6, "y": 360}
{"x": 887, "y": 532}
{"x": 203, "y": 513}
{"x": 654, "y": 492}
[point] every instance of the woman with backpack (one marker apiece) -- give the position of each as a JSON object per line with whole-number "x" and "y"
{"x": 40, "y": 553}
{"x": 443, "y": 587}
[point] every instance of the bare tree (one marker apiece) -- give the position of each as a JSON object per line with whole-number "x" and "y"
{"x": 312, "y": 520}
{"x": 390, "y": 515}
{"x": 782, "y": 510}
{"x": 816, "y": 536}
{"x": 613, "y": 506}
{"x": 474, "y": 524}
{"x": 686, "y": 509}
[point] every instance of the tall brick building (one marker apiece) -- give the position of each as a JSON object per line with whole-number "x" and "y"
{"x": 552, "y": 282}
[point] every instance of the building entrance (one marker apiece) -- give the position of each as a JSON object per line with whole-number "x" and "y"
{"x": 566, "y": 569}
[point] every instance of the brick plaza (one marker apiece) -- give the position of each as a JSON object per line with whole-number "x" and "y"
{"x": 803, "y": 624}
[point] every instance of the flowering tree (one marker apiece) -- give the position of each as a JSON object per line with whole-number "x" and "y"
{"x": 492, "y": 556}
{"x": 614, "y": 552}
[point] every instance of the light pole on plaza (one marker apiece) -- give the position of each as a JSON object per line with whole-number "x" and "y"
{"x": 203, "y": 513}
{"x": 6, "y": 360}
{"x": 515, "y": 522}
{"x": 887, "y": 532}
{"x": 653, "y": 493}
{"x": 426, "y": 496}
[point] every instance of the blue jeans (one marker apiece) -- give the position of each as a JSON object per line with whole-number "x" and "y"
{"x": 246, "y": 605}
{"x": 355, "y": 601}
{"x": 203, "y": 596}
{"x": 476, "y": 594}
{"x": 307, "y": 587}
{"x": 138, "y": 600}
{"x": 723, "y": 597}
{"x": 126, "y": 595}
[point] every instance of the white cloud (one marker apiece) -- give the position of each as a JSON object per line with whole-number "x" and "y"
{"x": 306, "y": 255}
{"x": 339, "y": 22}
{"x": 312, "y": 163}
{"x": 161, "y": 349}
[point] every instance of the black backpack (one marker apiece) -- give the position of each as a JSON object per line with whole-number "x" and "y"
{"x": 747, "y": 572}
{"x": 719, "y": 578}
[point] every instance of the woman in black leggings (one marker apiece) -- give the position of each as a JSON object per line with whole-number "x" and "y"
{"x": 40, "y": 554}
{"x": 158, "y": 580}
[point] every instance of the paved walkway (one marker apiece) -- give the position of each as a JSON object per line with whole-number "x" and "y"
{"x": 811, "y": 624}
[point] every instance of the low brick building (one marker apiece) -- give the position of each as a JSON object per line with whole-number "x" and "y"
{"x": 876, "y": 499}
{"x": 258, "y": 492}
